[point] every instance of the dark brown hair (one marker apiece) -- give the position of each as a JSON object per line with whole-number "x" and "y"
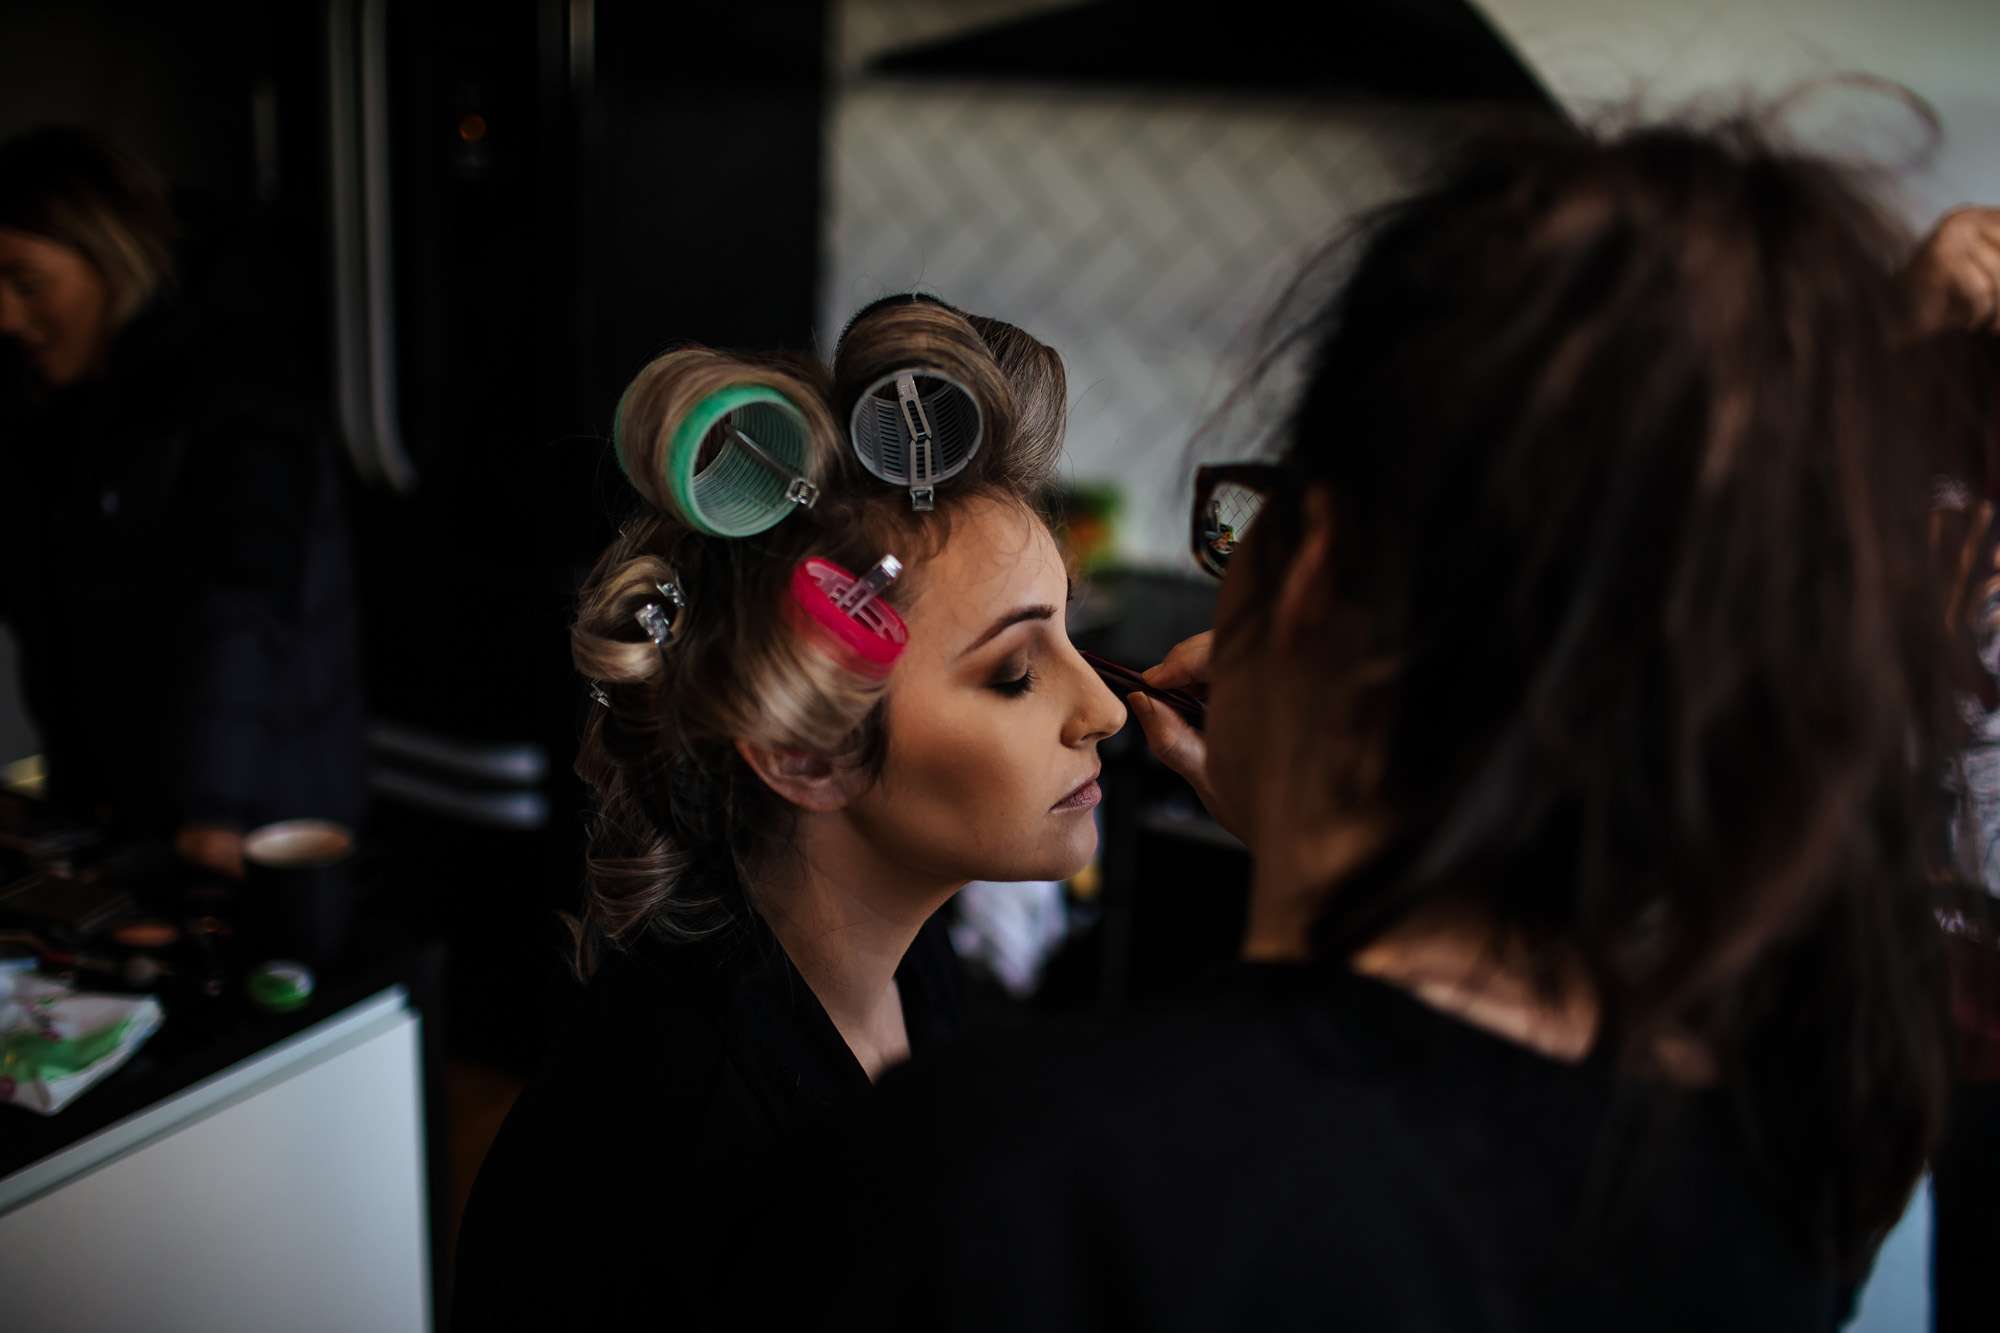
{"x": 69, "y": 186}
{"x": 1631, "y": 638}
{"x": 681, "y": 823}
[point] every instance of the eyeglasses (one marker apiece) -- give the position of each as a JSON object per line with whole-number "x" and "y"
{"x": 1227, "y": 499}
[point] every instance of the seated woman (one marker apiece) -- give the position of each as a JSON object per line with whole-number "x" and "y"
{"x": 777, "y": 821}
{"x": 1580, "y": 689}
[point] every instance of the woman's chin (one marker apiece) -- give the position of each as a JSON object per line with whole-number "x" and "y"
{"x": 1054, "y": 864}
{"x": 1077, "y": 853}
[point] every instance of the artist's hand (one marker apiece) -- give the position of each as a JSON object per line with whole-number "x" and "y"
{"x": 1956, "y": 274}
{"x": 211, "y": 847}
{"x": 1178, "y": 745}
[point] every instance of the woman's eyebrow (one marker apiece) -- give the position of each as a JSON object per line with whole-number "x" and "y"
{"x": 1014, "y": 617}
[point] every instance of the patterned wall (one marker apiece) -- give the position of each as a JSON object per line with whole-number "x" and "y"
{"x": 1144, "y": 236}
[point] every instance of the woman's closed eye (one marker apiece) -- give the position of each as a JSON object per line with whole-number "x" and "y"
{"x": 1014, "y": 680}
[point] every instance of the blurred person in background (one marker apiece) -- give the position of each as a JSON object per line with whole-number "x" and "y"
{"x": 1956, "y": 276}
{"x": 173, "y": 553}
{"x": 1580, "y": 691}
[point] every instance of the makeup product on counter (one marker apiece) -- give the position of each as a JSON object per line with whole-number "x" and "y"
{"x": 133, "y": 972}
{"x": 146, "y": 935}
{"x": 79, "y": 904}
{"x": 279, "y": 986}
{"x": 298, "y": 892}
{"x": 209, "y": 937}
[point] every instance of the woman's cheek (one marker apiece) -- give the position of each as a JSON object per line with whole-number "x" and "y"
{"x": 945, "y": 765}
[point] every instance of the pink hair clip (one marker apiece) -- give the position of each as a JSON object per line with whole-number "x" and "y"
{"x": 848, "y": 615}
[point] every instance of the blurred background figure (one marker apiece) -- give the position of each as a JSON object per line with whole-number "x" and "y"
{"x": 176, "y": 557}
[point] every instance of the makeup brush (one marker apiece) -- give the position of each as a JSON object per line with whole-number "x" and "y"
{"x": 1193, "y": 710}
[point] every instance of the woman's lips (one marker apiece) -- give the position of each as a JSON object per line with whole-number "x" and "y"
{"x": 1082, "y": 798}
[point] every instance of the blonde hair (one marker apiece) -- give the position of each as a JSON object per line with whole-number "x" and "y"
{"x": 680, "y": 821}
{"x": 69, "y": 186}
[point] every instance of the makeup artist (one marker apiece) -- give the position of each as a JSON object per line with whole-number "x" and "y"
{"x": 173, "y": 557}
{"x": 1578, "y": 688}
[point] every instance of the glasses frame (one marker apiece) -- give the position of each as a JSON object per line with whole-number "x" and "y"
{"x": 1204, "y": 534}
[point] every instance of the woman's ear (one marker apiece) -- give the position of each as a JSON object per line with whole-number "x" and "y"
{"x": 1302, "y": 596}
{"x": 809, "y": 781}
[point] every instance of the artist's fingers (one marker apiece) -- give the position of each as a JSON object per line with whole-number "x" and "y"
{"x": 1952, "y": 284}
{"x": 1178, "y": 745}
{"x": 1972, "y": 291}
{"x": 1976, "y": 536}
{"x": 1959, "y": 608}
{"x": 1972, "y": 268}
{"x": 1984, "y": 257}
{"x": 1984, "y": 223}
{"x": 1186, "y": 663}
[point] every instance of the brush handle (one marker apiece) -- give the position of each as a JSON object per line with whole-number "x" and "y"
{"x": 1192, "y": 709}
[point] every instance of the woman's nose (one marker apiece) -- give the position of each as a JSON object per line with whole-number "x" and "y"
{"x": 1098, "y": 713}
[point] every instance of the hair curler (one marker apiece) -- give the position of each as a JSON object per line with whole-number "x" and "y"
{"x": 916, "y": 427}
{"x": 738, "y": 462}
{"x": 847, "y": 617}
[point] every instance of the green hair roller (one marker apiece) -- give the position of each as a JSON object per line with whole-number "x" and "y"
{"x": 755, "y": 444}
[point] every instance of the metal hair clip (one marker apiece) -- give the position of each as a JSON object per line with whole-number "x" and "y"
{"x": 849, "y": 614}
{"x": 598, "y": 696}
{"x": 654, "y": 618}
{"x": 797, "y": 489}
{"x": 916, "y": 427}
{"x": 869, "y": 586}
{"x": 923, "y": 462}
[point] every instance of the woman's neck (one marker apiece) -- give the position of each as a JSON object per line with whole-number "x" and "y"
{"x": 1456, "y": 964}
{"x": 1289, "y": 884}
{"x": 1452, "y": 961}
{"x": 846, "y": 918}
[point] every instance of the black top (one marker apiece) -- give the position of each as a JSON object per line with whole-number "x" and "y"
{"x": 637, "y": 1181}
{"x": 1302, "y": 1149}
{"x": 174, "y": 563}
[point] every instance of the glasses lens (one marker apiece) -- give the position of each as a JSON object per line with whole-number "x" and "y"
{"x": 1232, "y": 507}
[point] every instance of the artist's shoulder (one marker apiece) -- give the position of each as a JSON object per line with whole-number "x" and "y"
{"x": 1015, "y": 1083}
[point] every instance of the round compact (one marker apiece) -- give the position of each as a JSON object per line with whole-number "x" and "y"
{"x": 146, "y": 935}
{"x": 279, "y": 986}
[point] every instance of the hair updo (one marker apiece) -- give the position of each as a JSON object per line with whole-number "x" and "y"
{"x": 680, "y": 820}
